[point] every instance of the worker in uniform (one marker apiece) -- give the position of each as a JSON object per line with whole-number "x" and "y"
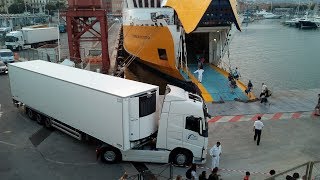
{"x": 215, "y": 153}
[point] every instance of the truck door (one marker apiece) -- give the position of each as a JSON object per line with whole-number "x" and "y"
{"x": 134, "y": 118}
{"x": 192, "y": 134}
{"x": 174, "y": 136}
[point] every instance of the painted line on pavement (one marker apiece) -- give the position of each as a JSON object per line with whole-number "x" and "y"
{"x": 253, "y": 117}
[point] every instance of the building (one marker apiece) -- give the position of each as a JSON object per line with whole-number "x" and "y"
{"x": 116, "y": 6}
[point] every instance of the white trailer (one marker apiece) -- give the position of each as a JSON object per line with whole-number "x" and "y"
{"x": 33, "y": 37}
{"x": 126, "y": 117}
{"x": 37, "y": 35}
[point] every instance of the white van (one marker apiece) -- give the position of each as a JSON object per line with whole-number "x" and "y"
{"x": 6, "y": 56}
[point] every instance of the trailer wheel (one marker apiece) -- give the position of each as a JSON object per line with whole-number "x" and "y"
{"x": 39, "y": 118}
{"x": 181, "y": 157}
{"x": 110, "y": 155}
{"x": 30, "y": 113}
{"x": 48, "y": 123}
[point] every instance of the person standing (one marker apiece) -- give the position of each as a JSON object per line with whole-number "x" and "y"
{"x": 214, "y": 175}
{"x": 200, "y": 72}
{"x": 203, "y": 175}
{"x": 236, "y": 73}
{"x": 257, "y": 128}
{"x": 192, "y": 172}
{"x": 215, "y": 153}
{"x": 272, "y": 172}
{"x": 247, "y": 177}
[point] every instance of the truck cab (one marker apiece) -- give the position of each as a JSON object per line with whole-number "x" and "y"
{"x": 181, "y": 136}
{"x": 3, "y": 32}
{"x": 183, "y": 128}
{"x": 14, "y": 40}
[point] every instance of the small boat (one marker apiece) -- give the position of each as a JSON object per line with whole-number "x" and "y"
{"x": 267, "y": 15}
{"x": 293, "y": 22}
{"x": 309, "y": 23}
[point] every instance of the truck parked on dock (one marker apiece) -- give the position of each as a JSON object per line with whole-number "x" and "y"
{"x": 129, "y": 119}
{"x": 33, "y": 37}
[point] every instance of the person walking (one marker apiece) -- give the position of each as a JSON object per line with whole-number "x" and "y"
{"x": 264, "y": 89}
{"x": 200, "y": 72}
{"x": 257, "y": 128}
{"x": 214, "y": 175}
{"x": 249, "y": 88}
{"x": 215, "y": 153}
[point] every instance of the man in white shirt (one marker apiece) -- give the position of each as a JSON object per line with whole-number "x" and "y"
{"x": 264, "y": 89}
{"x": 200, "y": 72}
{"x": 215, "y": 152}
{"x": 257, "y": 128}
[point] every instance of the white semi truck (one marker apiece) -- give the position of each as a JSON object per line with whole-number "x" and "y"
{"x": 126, "y": 117}
{"x": 31, "y": 37}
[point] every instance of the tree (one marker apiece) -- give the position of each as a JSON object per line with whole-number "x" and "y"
{"x": 51, "y": 7}
{"x": 18, "y": 7}
{"x": 60, "y": 5}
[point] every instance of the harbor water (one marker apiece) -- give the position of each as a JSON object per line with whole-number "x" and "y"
{"x": 283, "y": 57}
{"x": 265, "y": 51}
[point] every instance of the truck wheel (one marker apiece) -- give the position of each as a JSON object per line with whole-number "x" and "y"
{"x": 48, "y": 123}
{"x": 182, "y": 158}
{"x": 110, "y": 155}
{"x": 39, "y": 118}
{"x": 30, "y": 114}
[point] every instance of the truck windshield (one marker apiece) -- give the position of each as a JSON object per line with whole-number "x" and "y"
{"x": 6, "y": 54}
{"x": 10, "y": 39}
{"x": 195, "y": 97}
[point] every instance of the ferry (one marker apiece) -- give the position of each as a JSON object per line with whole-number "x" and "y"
{"x": 171, "y": 35}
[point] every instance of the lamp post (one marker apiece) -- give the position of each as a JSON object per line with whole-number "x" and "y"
{"x": 25, "y": 6}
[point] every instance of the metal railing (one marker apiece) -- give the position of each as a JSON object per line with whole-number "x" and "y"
{"x": 306, "y": 171}
{"x": 164, "y": 172}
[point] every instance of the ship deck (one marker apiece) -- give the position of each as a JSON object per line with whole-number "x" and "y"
{"x": 215, "y": 85}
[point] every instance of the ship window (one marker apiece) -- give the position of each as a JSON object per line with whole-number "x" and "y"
{"x": 158, "y": 3}
{"x": 140, "y": 3}
{"x": 135, "y": 3}
{"x": 146, "y": 3}
{"x": 193, "y": 124}
{"x": 152, "y": 3}
{"x": 162, "y": 54}
{"x": 147, "y": 104}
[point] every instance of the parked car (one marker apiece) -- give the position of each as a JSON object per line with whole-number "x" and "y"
{"x": 6, "y": 56}
{"x": 3, "y": 68}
